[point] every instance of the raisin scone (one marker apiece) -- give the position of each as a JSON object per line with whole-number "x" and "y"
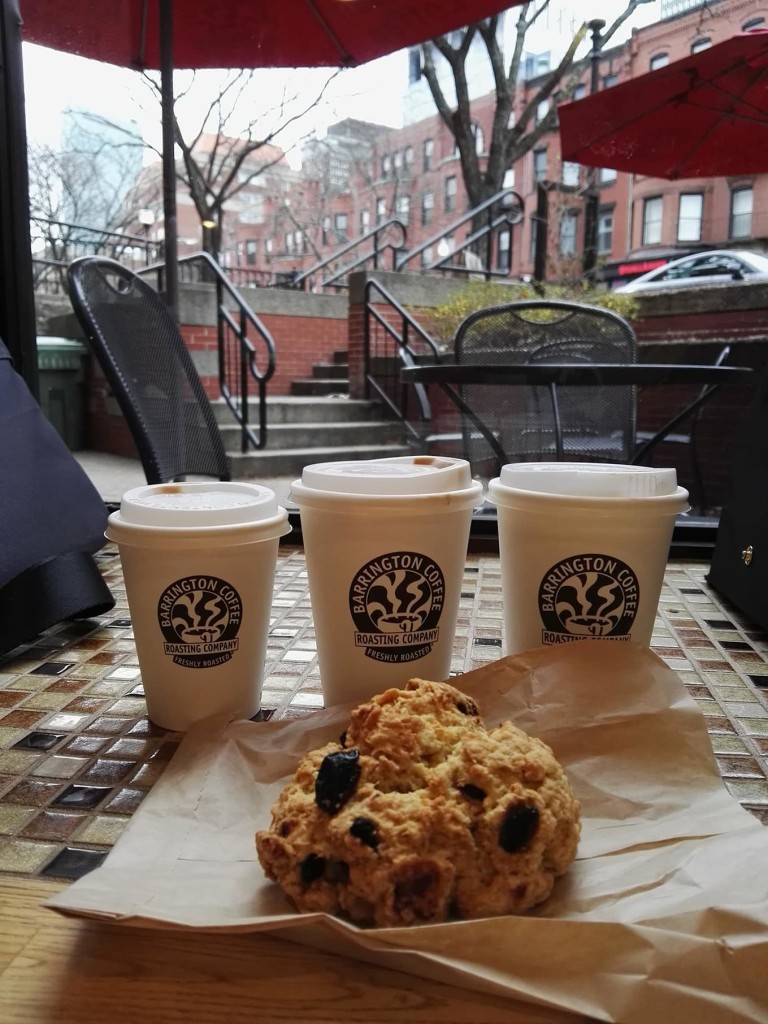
{"x": 419, "y": 815}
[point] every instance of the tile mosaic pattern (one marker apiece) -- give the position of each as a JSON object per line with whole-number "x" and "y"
{"x": 78, "y": 755}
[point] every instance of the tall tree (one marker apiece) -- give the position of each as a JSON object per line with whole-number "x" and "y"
{"x": 510, "y": 137}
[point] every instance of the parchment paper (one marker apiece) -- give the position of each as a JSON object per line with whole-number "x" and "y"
{"x": 663, "y": 917}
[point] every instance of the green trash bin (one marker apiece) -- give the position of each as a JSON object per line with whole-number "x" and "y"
{"x": 61, "y": 371}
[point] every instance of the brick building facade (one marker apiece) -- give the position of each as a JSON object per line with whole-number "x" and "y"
{"x": 360, "y": 174}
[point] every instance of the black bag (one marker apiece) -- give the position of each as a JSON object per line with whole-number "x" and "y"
{"x": 52, "y": 519}
{"x": 739, "y": 569}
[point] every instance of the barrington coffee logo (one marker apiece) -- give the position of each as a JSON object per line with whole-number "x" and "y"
{"x": 396, "y": 601}
{"x": 200, "y": 617}
{"x": 588, "y": 595}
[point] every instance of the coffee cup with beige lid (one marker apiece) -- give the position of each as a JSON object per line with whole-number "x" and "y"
{"x": 583, "y": 549}
{"x": 199, "y": 563}
{"x": 386, "y": 544}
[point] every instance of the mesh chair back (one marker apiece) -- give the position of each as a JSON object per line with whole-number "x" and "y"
{"x": 142, "y": 353}
{"x": 598, "y": 423}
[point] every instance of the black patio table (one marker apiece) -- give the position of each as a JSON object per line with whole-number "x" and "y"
{"x": 552, "y": 375}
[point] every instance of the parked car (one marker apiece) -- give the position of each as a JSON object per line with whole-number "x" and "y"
{"x": 715, "y": 267}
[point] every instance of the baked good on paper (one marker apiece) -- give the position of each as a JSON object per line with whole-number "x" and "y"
{"x": 418, "y": 814}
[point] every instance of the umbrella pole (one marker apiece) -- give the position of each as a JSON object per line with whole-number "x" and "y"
{"x": 17, "y": 295}
{"x": 171, "y": 245}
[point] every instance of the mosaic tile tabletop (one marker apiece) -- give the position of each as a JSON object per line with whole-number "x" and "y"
{"x": 78, "y": 755}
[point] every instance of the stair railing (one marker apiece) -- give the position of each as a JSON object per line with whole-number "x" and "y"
{"x": 246, "y": 349}
{"x": 392, "y": 340}
{"x": 511, "y": 213}
{"x": 382, "y": 245}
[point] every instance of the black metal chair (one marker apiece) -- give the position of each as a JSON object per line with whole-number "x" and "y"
{"x": 597, "y": 423}
{"x": 139, "y": 346}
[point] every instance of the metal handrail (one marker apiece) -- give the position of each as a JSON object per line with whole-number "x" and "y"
{"x": 375, "y": 234}
{"x": 395, "y": 398}
{"x": 248, "y": 361}
{"x": 513, "y": 214}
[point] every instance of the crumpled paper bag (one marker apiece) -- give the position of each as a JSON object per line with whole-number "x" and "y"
{"x": 663, "y": 916}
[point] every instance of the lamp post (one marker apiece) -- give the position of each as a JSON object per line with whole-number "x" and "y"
{"x": 592, "y": 194}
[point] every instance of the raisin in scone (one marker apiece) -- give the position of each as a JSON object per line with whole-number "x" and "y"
{"x": 419, "y": 814}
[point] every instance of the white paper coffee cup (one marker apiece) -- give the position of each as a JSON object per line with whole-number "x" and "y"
{"x": 386, "y": 544}
{"x": 583, "y": 549}
{"x": 199, "y": 564}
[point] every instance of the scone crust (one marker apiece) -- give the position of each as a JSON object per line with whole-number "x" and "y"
{"x": 438, "y": 818}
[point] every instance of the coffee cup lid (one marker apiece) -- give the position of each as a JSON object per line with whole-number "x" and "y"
{"x": 404, "y": 475}
{"x": 589, "y": 479}
{"x": 194, "y": 504}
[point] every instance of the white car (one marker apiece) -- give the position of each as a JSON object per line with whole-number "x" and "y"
{"x": 716, "y": 267}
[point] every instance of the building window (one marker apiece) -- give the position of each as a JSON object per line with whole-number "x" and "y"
{"x": 250, "y": 251}
{"x": 288, "y": 241}
{"x": 504, "y": 238}
{"x": 381, "y": 211}
{"x": 606, "y": 175}
{"x": 609, "y": 81}
{"x": 652, "y": 212}
{"x": 741, "y": 213}
{"x": 580, "y": 91}
{"x": 570, "y": 174}
{"x": 477, "y": 132}
{"x": 386, "y": 164}
{"x": 429, "y": 151}
{"x": 340, "y": 223}
{"x": 689, "y": 217}
{"x": 567, "y": 239}
{"x": 426, "y": 256}
{"x": 541, "y": 111}
{"x": 403, "y": 208}
{"x": 752, "y": 23}
{"x": 299, "y": 242}
{"x": 605, "y": 230}
{"x": 408, "y": 154}
{"x": 268, "y": 245}
{"x": 659, "y": 60}
{"x": 427, "y": 207}
{"x": 397, "y": 162}
{"x": 414, "y": 65}
{"x": 365, "y": 221}
{"x": 700, "y": 44}
{"x": 326, "y": 231}
{"x": 450, "y": 194}
{"x": 509, "y": 178}
{"x": 539, "y": 165}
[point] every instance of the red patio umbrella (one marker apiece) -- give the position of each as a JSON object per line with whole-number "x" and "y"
{"x": 161, "y": 34}
{"x": 703, "y": 116}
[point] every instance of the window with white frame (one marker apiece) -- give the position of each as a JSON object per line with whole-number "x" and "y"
{"x": 700, "y": 44}
{"x": 381, "y": 211}
{"x": 326, "y": 231}
{"x": 605, "y": 230}
{"x": 268, "y": 246}
{"x": 606, "y": 175}
{"x": 741, "y": 213}
{"x": 539, "y": 165}
{"x": 689, "y": 217}
{"x": 451, "y": 191}
{"x": 570, "y": 175}
{"x": 340, "y": 225}
{"x": 386, "y": 164}
{"x": 428, "y": 153}
{"x": 250, "y": 251}
{"x": 403, "y": 208}
{"x": 427, "y": 208}
{"x": 397, "y": 161}
{"x": 567, "y": 235}
{"x": 365, "y": 221}
{"x": 503, "y": 261}
{"x": 479, "y": 138}
{"x": 653, "y": 210}
{"x": 659, "y": 60}
{"x": 288, "y": 241}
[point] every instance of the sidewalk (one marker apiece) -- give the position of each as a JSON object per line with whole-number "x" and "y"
{"x": 112, "y": 475}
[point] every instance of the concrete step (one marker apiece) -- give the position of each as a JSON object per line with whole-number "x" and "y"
{"x": 265, "y": 464}
{"x": 321, "y": 435}
{"x": 319, "y": 387}
{"x": 305, "y": 409}
{"x": 330, "y": 371}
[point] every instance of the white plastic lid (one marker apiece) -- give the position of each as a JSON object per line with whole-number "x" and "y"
{"x": 190, "y": 505}
{"x": 589, "y": 479}
{"x": 405, "y": 475}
